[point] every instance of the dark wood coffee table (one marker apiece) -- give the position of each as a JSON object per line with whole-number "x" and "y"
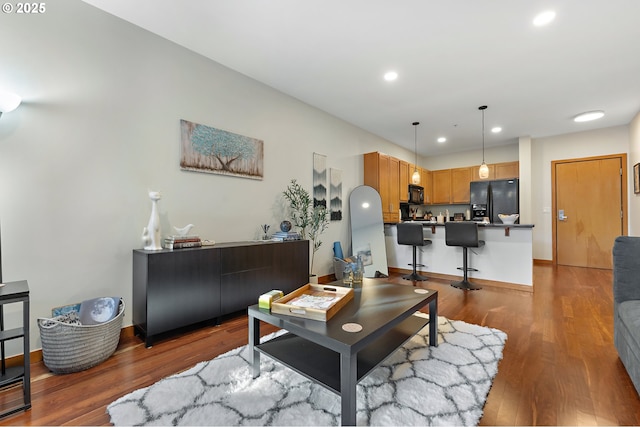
{"x": 336, "y": 359}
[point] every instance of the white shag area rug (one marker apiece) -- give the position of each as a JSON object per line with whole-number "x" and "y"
{"x": 416, "y": 385}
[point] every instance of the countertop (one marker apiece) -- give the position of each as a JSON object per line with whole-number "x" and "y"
{"x": 480, "y": 224}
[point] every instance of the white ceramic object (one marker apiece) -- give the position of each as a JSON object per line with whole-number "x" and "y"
{"x": 508, "y": 218}
{"x": 184, "y": 231}
{"x": 151, "y": 233}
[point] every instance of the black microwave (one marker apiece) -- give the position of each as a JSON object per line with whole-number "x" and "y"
{"x": 416, "y": 194}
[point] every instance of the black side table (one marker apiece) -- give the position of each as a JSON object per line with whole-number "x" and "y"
{"x": 15, "y": 292}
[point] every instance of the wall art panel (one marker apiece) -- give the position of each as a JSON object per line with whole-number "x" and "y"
{"x": 210, "y": 150}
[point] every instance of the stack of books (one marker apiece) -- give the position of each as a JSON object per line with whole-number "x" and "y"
{"x": 286, "y": 235}
{"x": 179, "y": 242}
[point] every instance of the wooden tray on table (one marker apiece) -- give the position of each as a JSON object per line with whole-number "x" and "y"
{"x": 311, "y": 301}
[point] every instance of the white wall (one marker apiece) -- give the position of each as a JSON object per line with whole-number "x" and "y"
{"x": 613, "y": 140}
{"x": 99, "y": 127}
{"x": 505, "y": 153}
{"x": 634, "y": 157}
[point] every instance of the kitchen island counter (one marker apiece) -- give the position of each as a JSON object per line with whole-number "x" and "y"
{"x": 480, "y": 224}
{"x": 506, "y": 258}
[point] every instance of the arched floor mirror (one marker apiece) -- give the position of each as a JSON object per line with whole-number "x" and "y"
{"x": 367, "y": 230}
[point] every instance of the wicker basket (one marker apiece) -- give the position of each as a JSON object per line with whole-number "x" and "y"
{"x": 70, "y": 348}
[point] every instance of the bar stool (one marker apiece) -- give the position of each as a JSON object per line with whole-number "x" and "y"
{"x": 464, "y": 234}
{"x": 412, "y": 233}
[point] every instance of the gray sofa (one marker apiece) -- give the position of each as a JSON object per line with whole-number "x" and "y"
{"x": 626, "y": 304}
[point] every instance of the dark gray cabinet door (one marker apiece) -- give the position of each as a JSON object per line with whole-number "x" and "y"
{"x": 246, "y": 272}
{"x": 173, "y": 289}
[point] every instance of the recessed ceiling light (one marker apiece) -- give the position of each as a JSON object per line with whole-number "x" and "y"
{"x": 588, "y": 116}
{"x": 442, "y": 139}
{"x": 496, "y": 129}
{"x": 390, "y": 76}
{"x": 544, "y": 18}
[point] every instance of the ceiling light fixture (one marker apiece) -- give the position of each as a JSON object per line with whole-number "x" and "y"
{"x": 483, "y": 172}
{"x": 442, "y": 139}
{"x": 415, "y": 178}
{"x": 588, "y": 116}
{"x": 544, "y": 18}
{"x": 496, "y": 129}
{"x": 9, "y": 101}
{"x": 390, "y": 76}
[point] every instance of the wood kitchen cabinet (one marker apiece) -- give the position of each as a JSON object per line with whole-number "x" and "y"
{"x": 441, "y": 186}
{"x": 460, "y": 180}
{"x": 507, "y": 170}
{"x": 475, "y": 173}
{"x": 382, "y": 172}
{"x": 406, "y": 172}
{"x": 451, "y": 186}
{"x": 406, "y": 169}
{"x": 497, "y": 171}
{"x": 393, "y": 214}
{"x": 427, "y": 183}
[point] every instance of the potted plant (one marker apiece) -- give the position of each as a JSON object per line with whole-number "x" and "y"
{"x": 311, "y": 220}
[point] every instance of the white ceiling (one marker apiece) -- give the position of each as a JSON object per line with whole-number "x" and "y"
{"x": 451, "y": 56}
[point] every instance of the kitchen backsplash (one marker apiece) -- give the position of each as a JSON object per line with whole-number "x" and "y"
{"x": 421, "y": 210}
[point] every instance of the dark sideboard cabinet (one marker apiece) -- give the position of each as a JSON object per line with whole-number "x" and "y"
{"x": 182, "y": 287}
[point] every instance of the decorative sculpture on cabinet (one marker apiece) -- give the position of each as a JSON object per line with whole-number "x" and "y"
{"x": 151, "y": 233}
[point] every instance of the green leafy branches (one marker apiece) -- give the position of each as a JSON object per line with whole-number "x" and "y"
{"x": 312, "y": 221}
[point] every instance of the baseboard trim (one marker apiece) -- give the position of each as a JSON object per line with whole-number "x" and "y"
{"x": 482, "y": 282}
{"x": 35, "y": 356}
{"x": 542, "y": 261}
{"x": 128, "y": 331}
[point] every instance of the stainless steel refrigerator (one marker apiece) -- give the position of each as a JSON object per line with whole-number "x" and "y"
{"x": 490, "y": 198}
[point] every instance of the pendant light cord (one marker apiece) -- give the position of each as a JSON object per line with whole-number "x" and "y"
{"x": 482, "y": 108}
{"x": 482, "y": 136}
{"x": 415, "y": 139}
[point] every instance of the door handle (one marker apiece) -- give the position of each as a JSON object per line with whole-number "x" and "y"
{"x": 561, "y": 215}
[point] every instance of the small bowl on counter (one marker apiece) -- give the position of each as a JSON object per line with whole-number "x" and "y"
{"x": 508, "y": 218}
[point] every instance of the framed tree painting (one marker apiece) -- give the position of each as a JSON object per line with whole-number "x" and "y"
{"x": 210, "y": 150}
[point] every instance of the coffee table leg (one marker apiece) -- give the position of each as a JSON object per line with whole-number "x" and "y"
{"x": 433, "y": 322}
{"x": 254, "y": 339}
{"x": 348, "y": 382}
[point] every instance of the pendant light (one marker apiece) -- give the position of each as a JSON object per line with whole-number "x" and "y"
{"x": 415, "y": 178}
{"x": 484, "y": 169}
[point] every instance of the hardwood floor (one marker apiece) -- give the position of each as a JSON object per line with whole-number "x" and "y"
{"x": 559, "y": 365}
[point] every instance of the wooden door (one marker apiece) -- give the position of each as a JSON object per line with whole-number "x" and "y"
{"x": 589, "y": 209}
